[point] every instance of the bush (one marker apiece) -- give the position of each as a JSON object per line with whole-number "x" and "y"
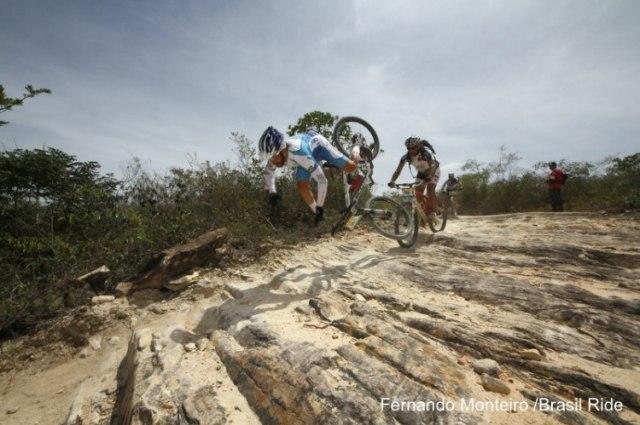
{"x": 497, "y": 188}
{"x": 60, "y": 218}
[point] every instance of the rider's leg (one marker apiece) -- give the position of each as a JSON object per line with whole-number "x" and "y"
{"x": 431, "y": 200}
{"x": 420, "y": 192}
{"x": 336, "y": 158}
{"x": 355, "y": 181}
{"x": 303, "y": 178}
{"x": 304, "y": 189}
{"x": 425, "y": 195}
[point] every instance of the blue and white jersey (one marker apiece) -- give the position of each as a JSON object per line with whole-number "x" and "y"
{"x": 306, "y": 151}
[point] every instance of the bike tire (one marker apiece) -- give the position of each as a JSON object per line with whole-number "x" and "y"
{"x": 443, "y": 221}
{"x": 386, "y": 227}
{"x": 344, "y": 146}
{"x": 410, "y": 240}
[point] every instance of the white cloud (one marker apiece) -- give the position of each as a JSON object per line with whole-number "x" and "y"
{"x": 163, "y": 79}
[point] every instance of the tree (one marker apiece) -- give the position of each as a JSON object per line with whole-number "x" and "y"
{"x": 7, "y": 103}
{"x": 33, "y": 181}
{"x": 629, "y": 166}
{"x": 504, "y": 166}
{"x": 321, "y": 122}
{"x": 626, "y": 175}
{"x": 474, "y": 166}
{"x": 246, "y": 152}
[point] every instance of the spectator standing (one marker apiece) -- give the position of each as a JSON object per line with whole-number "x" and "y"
{"x": 556, "y": 180}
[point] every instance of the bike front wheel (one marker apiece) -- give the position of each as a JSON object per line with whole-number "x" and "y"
{"x": 410, "y": 240}
{"x": 351, "y": 131}
{"x": 389, "y": 217}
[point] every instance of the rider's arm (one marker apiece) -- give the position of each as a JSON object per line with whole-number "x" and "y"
{"x": 399, "y": 168}
{"x": 269, "y": 174}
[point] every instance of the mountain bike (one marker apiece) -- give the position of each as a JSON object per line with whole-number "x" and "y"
{"x": 417, "y": 215}
{"x": 387, "y": 216}
{"x": 384, "y": 213}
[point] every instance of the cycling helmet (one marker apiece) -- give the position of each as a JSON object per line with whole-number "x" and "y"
{"x": 270, "y": 141}
{"x": 413, "y": 142}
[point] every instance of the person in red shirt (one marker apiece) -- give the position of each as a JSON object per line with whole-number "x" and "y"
{"x": 555, "y": 181}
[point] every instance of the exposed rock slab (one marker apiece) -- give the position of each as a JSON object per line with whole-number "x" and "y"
{"x": 517, "y": 307}
{"x": 161, "y": 382}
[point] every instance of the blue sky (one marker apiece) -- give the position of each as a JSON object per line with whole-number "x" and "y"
{"x": 163, "y": 79}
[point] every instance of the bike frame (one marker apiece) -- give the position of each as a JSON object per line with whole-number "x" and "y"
{"x": 353, "y": 203}
{"x": 345, "y": 186}
{"x": 408, "y": 190}
{"x": 353, "y": 213}
{"x": 367, "y": 168}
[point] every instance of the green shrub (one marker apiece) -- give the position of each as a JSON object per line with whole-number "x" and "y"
{"x": 60, "y": 218}
{"x": 497, "y": 188}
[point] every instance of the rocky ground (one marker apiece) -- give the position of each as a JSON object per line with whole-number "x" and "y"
{"x": 513, "y": 308}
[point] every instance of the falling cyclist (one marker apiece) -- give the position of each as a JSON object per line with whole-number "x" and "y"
{"x": 305, "y": 151}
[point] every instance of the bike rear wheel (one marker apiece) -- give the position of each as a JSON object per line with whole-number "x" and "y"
{"x": 346, "y": 128}
{"x": 410, "y": 240}
{"x": 389, "y": 217}
{"x": 443, "y": 206}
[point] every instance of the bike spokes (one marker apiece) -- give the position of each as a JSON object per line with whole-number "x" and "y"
{"x": 441, "y": 221}
{"x": 389, "y": 218}
{"x": 353, "y": 131}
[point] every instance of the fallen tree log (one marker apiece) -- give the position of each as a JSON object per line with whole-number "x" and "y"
{"x": 176, "y": 261}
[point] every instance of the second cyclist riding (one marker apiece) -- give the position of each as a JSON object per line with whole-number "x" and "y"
{"x": 397, "y": 219}
{"x": 355, "y": 134}
{"x": 418, "y": 216}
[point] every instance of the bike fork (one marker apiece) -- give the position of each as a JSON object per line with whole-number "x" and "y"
{"x": 416, "y": 206}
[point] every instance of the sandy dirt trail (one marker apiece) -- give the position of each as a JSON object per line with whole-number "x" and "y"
{"x": 322, "y": 333}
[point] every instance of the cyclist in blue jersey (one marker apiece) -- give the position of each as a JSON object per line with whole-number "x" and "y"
{"x": 305, "y": 151}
